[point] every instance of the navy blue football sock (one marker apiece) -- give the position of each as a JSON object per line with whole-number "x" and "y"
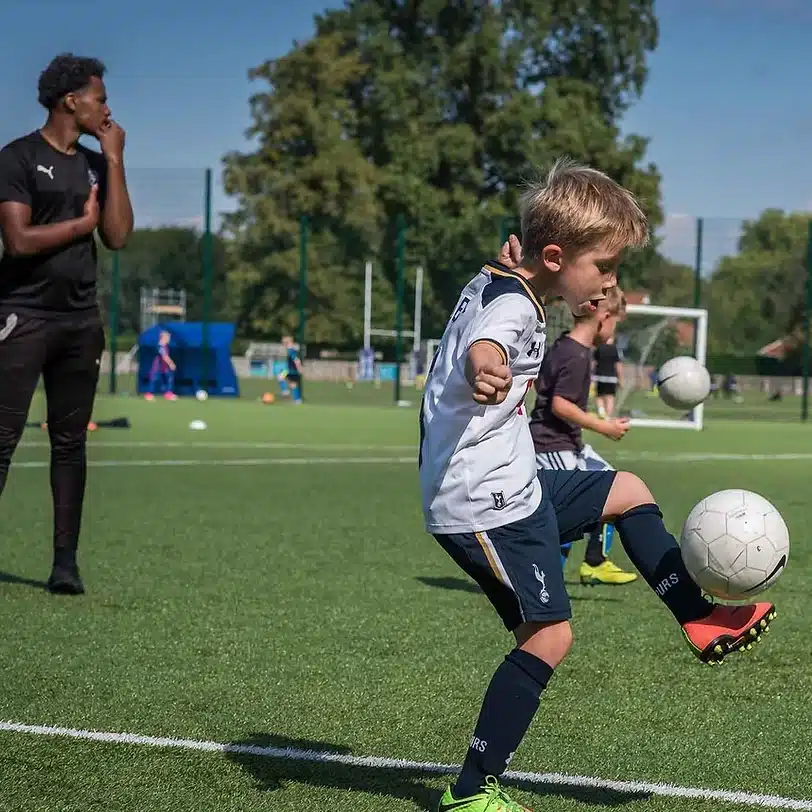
{"x": 657, "y": 556}
{"x": 508, "y": 709}
{"x": 594, "y": 556}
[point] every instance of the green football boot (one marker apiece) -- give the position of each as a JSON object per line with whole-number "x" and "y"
{"x": 492, "y": 799}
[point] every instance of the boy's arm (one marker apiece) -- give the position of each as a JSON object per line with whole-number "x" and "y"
{"x": 487, "y": 372}
{"x": 496, "y": 337}
{"x": 571, "y": 412}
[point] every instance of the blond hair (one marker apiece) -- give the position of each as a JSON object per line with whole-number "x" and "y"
{"x": 579, "y": 208}
{"x": 613, "y": 303}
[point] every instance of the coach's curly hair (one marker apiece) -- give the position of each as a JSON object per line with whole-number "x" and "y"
{"x": 65, "y": 74}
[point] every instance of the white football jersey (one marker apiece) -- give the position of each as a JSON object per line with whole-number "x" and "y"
{"x": 477, "y": 463}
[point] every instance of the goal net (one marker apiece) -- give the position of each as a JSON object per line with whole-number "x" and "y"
{"x": 647, "y": 338}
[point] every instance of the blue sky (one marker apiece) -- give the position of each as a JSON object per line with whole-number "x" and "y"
{"x": 726, "y": 105}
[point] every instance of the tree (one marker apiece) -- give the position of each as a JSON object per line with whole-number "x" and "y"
{"x": 757, "y": 295}
{"x": 667, "y": 283}
{"x": 164, "y": 258}
{"x": 433, "y": 110}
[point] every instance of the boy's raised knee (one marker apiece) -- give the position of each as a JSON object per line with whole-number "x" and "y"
{"x": 628, "y": 491}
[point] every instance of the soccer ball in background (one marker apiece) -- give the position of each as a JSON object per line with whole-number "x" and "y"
{"x": 201, "y": 394}
{"x": 683, "y": 383}
{"x": 735, "y": 544}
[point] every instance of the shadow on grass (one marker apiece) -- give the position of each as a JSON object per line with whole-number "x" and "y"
{"x": 450, "y": 582}
{"x": 272, "y": 770}
{"x": 599, "y": 594}
{"x": 596, "y": 594}
{"x": 272, "y": 761}
{"x": 18, "y": 580}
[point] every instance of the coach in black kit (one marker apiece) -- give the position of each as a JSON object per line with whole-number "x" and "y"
{"x": 54, "y": 193}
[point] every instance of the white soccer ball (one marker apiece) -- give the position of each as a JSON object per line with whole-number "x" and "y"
{"x": 201, "y": 394}
{"x": 735, "y": 544}
{"x": 683, "y": 382}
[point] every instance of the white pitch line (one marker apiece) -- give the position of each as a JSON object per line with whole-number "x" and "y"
{"x": 709, "y": 456}
{"x": 652, "y": 457}
{"x": 376, "y": 762}
{"x": 642, "y": 456}
{"x": 92, "y": 443}
{"x": 192, "y": 463}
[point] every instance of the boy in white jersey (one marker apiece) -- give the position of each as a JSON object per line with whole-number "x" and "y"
{"x": 482, "y": 498}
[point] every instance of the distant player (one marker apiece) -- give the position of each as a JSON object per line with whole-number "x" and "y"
{"x": 54, "y": 193}
{"x": 290, "y": 381}
{"x": 608, "y": 376}
{"x": 485, "y": 502}
{"x": 731, "y": 389}
{"x": 162, "y": 373}
{"x": 366, "y": 364}
{"x": 560, "y": 414}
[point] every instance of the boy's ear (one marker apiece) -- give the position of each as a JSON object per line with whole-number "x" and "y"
{"x": 552, "y": 257}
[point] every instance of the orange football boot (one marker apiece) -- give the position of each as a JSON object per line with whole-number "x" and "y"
{"x": 727, "y": 629}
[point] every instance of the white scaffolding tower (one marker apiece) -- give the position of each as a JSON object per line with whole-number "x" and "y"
{"x": 161, "y": 305}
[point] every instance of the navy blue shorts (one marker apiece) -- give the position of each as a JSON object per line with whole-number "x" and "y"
{"x": 578, "y": 498}
{"x": 518, "y": 566}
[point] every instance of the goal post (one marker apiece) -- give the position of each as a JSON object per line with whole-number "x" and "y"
{"x": 370, "y": 331}
{"x": 649, "y": 336}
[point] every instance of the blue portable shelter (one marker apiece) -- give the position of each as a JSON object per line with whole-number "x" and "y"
{"x": 186, "y": 350}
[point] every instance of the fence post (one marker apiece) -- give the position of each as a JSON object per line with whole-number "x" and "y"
{"x": 503, "y": 232}
{"x": 399, "y": 262}
{"x": 807, "y": 309}
{"x": 208, "y": 274}
{"x": 304, "y": 227}
{"x": 698, "y": 262}
{"x": 115, "y": 295}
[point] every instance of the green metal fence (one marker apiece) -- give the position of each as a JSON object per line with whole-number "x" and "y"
{"x": 172, "y": 249}
{"x": 306, "y": 277}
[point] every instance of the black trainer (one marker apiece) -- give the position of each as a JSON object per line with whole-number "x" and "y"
{"x": 66, "y": 581}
